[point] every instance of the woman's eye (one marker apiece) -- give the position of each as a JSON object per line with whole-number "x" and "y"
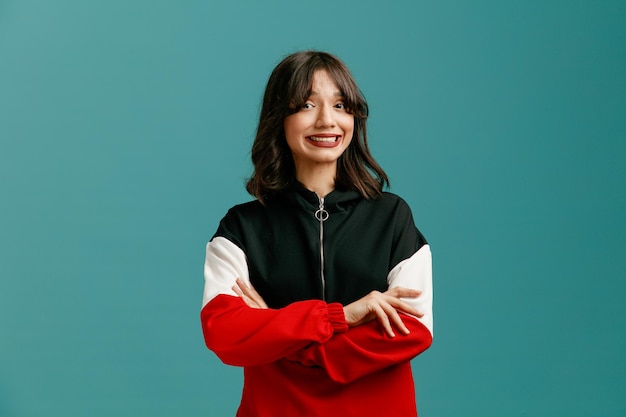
{"x": 307, "y": 106}
{"x": 340, "y": 106}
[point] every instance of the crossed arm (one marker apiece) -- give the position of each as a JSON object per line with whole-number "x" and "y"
{"x": 346, "y": 341}
{"x": 384, "y": 307}
{"x": 362, "y": 350}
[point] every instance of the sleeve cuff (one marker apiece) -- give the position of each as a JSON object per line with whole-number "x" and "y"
{"x": 337, "y": 318}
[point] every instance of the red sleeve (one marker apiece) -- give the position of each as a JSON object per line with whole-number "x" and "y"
{"x": 365, "y": 349}
{"x": 245, "y": 336}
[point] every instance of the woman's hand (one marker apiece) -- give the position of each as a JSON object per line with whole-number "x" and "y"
{"x": 249, "y": 295}
{"x": 385, "y": 307}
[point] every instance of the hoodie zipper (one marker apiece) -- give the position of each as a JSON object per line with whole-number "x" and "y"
{"x": 322, "y": 215}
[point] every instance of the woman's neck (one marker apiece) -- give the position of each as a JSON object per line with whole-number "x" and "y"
{"x": 320, "y": 179}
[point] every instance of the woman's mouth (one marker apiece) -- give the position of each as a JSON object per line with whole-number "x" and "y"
{"x": 325, "y": 141}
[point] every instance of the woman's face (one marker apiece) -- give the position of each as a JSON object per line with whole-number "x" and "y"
{"x": 322, "y": 130}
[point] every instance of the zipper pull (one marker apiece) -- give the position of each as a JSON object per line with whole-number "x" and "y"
{"x": 321, "y": 214}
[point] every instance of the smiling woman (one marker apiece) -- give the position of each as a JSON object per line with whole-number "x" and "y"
{"x": 288, "y": 92}
{"x": 319, "y": 133}
{"x": 320, "y": 288}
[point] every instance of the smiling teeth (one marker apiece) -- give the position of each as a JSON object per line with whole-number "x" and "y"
{"x": 324, "y": 139}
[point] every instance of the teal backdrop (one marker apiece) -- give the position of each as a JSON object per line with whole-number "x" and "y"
{"x": 125, "y": 129}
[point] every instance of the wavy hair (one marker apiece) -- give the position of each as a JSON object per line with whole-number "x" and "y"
{"x": 288, "y": 88}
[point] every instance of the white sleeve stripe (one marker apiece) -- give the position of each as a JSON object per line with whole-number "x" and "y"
{"x": 416, "y": 273}
{"x": 224, "y": 263}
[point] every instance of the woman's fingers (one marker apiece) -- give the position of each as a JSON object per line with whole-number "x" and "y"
{"x": 244, "y": 297}
{"x": 249, "y": 295}
{"x": 394, "y": 317}
{"x": 405, "y": 307}
{"x": 383, "y": 307}
{"x": 383, "y": 319}
{"x": 399, "y": 292}
{"x": 237, "y": 290}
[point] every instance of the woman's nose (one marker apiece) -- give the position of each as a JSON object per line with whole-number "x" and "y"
{"x": 325, "y": 117}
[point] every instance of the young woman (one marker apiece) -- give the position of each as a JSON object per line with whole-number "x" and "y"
{"x": 321, "y": 288}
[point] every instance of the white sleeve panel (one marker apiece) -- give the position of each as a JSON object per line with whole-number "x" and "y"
{"x": 416, "y": 273}
{"x": 224, "y": 263}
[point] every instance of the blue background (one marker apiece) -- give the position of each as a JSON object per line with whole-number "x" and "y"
{"x": 125, "y": 130}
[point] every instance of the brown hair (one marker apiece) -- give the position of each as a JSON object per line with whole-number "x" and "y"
{"x": 288, "y": 88}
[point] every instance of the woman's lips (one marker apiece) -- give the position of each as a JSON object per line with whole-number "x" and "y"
{"x": 324, "y": 141}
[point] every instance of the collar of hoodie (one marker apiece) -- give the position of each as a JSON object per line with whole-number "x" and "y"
{"x": 335, "y": 201}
